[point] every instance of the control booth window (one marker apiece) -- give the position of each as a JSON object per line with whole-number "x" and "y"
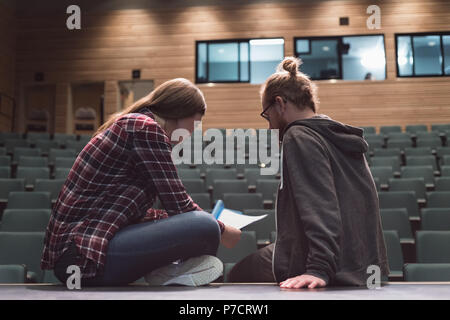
{"x": 244, "y": 60}
{"x": 346, "y": 58}
{"x": 423, "y": 55}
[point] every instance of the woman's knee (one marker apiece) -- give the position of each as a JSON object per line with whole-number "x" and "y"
{"x": 205, "y": 227}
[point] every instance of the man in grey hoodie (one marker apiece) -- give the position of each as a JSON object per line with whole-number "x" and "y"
{"x": 328, "y": 222}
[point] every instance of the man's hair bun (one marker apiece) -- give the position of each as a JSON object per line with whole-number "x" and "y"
{"x": 290, "y": 64}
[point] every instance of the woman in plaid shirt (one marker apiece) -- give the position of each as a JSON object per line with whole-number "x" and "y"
{"x": 103, "y": 220}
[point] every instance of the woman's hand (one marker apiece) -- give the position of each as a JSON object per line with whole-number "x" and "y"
{"x": 230, "y": 236}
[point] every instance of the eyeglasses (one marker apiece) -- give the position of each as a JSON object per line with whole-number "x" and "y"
{"x": 263, "y": 113}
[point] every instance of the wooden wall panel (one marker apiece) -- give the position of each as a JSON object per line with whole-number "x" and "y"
{"x": 7, "y": 64}
{"x": 161, "y": 42}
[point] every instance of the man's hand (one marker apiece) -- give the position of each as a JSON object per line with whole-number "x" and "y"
{"x": 230, "y": 236}
{"x": 303, "y": 281}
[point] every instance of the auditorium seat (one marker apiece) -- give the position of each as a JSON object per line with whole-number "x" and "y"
{"x": 273, "y": 236}
{"x": 267, "y": 187}
{"x": 247, "y": 245}
{"x": 427, "y": 272}
{"x": 389, "y": 129}
{"x": 416, "y": 128}
{"x": 381, "y": 152}
{"x": 446, "y": 160}
{"x": 238, "y": 201}
{"x": 29, "y": 200}
{"x": 409, "y": 184}
{"x": 53, "y": 186}
{"x": 185, "y": 174}
{"x": 421, "y": 161}
{"x": 226, "y": 270}
{"x": 440, "y": 127}
{"x": 383, "y": 174}
{"x": 194, "y": 185}
{"x": 425, "y": 172}
{"x": 33, "y": 136}
{"x": 61, "y": 173}
{"x": 394, "y": 253}
{"x": 400, "y": 199}
{"x": 368, "y": 129}
{"x": 263, "y": 227}
{"x": 25, "y": 220}
{"x": 399, "y": 143}
{"x": 398, "y": 220}
{"x": 28, "y": 152}
{"x": 425, "y": 135}
{"x": 443, "y": 151}
{"x": 423, "y": 151}
{"x": 433, "y": 246}
{"x": 216, "y": 174}
{"x": 5, "y": 172}
{"x": 62, "y": 138}
{"x": 438, "y": 199}
{"x": 442, "y": 184}
{"x": 13, "y": 273}
{"x": 375, "y": 142}
{"x": 26, "y": 161}
{"x": 398, "y": 136}
{"x": 66, "y": 153}
{"x": 9, "y": 185}
{"x": 23, "y": 248}
{"x": 202, "y": 199}
{"x": 45, "y": 146}
{"x": 254, "y": 174}
{"x": 5, "y": 161}
{"x": 432, "y": 143}
{"x": 49, "y": 277}
{"x": 9, "y": 135}
{"x": 75, "y": 145}
{"x": 445, "y": 171}
{"x": 2, "y": 151}
{"x": 64, "y": 162}
{"x": 222, "y": 186}
{"x": 10, "y": 144}
{"x": 393, "y": 162}
{"x": 437, "y": 219}
{"x": 30, "y": 174}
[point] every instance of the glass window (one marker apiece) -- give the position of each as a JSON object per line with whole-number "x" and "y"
{"x": 423, "y": 55}
{"x": 303, "y": 46}
{"x": 244, "y": 61}
{"x": 322, "y": 61}
{"x": 363, "y": 58}
{"x": 223, "y": 62}
{"x": 427, "y": 55}
{"x": 265, "y": 55}
{"x": 446, "y": 44}
{"x": 238, "y": 61}
{"x": 347, "y": 58}
{"x": 202, "y": 59}
{"x": 404, "y": 56}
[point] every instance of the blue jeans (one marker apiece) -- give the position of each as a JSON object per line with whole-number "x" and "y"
{"x": 141, "y": 248}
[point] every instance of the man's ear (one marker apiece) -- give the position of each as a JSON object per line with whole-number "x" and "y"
{"x": 282, "y": 105}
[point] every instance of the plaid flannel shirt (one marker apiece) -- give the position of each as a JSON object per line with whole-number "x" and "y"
{"x": 113, "y": 183}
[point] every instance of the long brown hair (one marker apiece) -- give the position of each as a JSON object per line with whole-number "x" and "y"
{"x": 289, "y": 83}
{"x": 174, "y": 99}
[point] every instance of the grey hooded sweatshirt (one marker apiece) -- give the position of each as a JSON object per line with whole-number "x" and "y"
{"x": 328, "y": 220}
